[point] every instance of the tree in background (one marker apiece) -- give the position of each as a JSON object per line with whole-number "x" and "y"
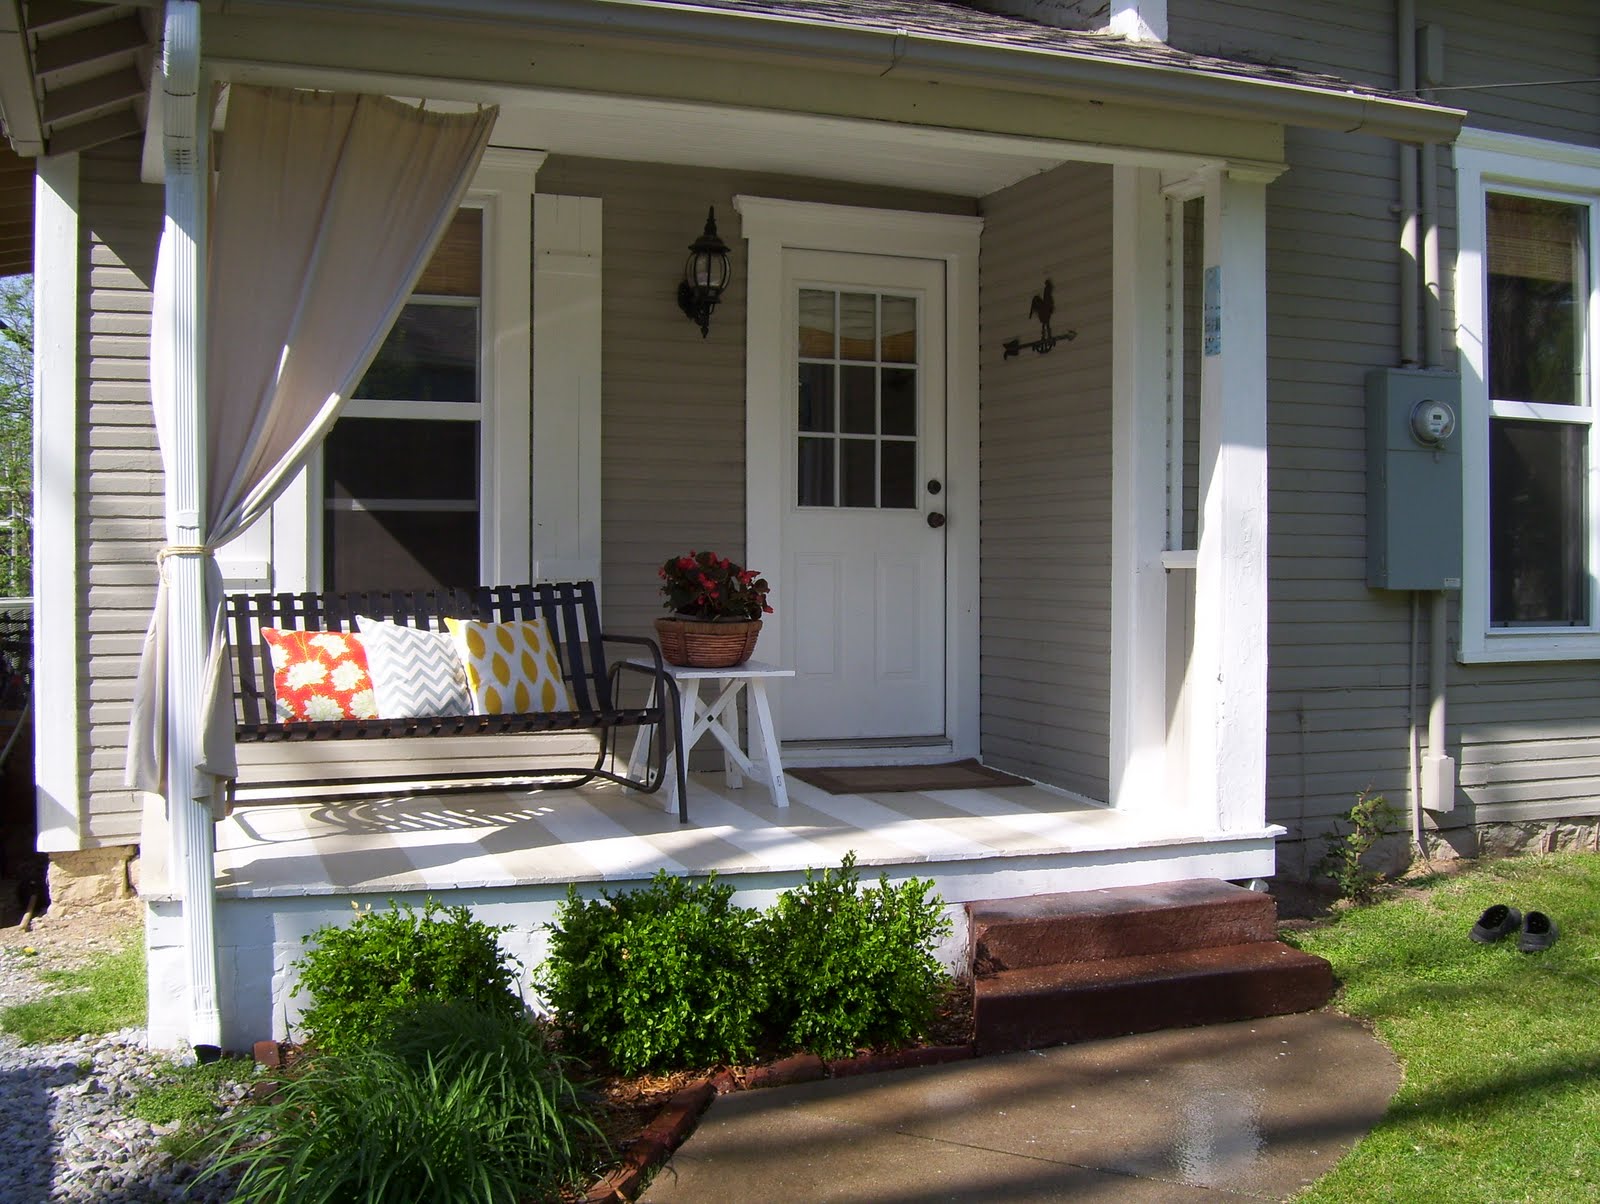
{"x": 16, "y": 436}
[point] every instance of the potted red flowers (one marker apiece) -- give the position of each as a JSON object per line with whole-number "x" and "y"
{"x": 716, "y": 610}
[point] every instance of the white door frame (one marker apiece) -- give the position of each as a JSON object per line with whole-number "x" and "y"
{"x": 772, "y": 226}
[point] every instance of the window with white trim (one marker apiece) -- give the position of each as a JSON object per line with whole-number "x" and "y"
{"x": 1529, "y": 310}
{"x": 386, "y": 482}
{"x": 401, "y": 480}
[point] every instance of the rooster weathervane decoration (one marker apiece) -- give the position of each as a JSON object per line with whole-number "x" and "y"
{"x": 1042, "y": 307}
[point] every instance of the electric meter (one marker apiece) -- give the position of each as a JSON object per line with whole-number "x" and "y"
{"x": 1432, "y": 422}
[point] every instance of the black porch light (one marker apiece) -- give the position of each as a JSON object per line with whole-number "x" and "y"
{"x": 705, "y": 275}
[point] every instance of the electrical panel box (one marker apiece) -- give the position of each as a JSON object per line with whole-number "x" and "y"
{"x": 1413, "y": 479}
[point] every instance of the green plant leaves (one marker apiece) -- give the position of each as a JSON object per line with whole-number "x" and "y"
{"x": 674, "y": 975}
{"x": 360, "y": 977}
{"x": 458, "y": 1105}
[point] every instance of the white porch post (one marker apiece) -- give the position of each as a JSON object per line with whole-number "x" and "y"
{"x": 183, "y": 242}
{"x": 57, "y": 619}
{"x": 1138, "y": 492}
{"x": 1228, "y": 678}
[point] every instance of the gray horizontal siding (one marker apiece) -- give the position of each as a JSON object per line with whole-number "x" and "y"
{"x": 1045, "y": 441}
{"x": 673, "y": 423}
{"x": 1525, "y": 736}
{"x": 119, "y": 470}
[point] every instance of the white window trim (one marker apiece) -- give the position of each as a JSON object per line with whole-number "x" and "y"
{"x": 1487, "y": 161}
{"x": 503, "y": 188}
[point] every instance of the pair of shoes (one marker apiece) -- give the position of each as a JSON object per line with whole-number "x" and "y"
{"x": 1537, "y": 930}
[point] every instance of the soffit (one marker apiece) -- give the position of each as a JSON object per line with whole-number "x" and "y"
{"x": 72, "y": 76}
{"x": 16, "y": 213}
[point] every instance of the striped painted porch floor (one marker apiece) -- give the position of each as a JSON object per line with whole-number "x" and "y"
{"x": 603, "y": 833}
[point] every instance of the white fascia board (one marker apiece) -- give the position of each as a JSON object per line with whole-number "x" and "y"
{"x": 19, "y": 106}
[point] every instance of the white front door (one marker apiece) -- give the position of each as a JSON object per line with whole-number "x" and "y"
{"x": 863, "y": 513}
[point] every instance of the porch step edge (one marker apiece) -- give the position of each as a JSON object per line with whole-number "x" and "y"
{"x": 1115, "y": 922}
{"x": 1079, "y": 1001}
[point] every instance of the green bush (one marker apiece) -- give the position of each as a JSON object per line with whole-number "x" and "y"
{"x": 661, "y": 976}
{"x": 675, "y": 975}
{"x": 360, "y": 977}
{"x": 457, "y": 1104}
{"x": 850, "y": 967}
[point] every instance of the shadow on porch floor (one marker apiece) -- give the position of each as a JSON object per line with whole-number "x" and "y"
{"x": 497, "y": 838}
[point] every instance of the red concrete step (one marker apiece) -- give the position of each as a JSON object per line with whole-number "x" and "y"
{"x": 1113, "y": 997}
{"x": 1124, "y": 921}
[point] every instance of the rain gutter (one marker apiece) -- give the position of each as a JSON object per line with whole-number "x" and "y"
{"x": 935, "y": 59}
{"x": 19, "y": 106}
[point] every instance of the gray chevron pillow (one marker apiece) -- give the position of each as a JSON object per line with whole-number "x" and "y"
{"x": 414, "y": 672}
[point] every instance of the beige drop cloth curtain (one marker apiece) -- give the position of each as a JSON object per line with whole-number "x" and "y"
{"x": 326, "y": 209}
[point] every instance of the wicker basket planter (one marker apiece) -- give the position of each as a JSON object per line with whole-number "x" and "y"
{"x": 698, "y": 644}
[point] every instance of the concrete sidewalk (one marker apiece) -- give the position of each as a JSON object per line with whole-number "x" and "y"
{"x": 1256, "y": 1109}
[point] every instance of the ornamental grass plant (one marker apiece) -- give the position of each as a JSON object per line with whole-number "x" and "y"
{"x": 457, "y": 1105}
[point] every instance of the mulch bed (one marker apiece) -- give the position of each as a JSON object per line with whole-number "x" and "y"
{"x": 647, "y": 1117}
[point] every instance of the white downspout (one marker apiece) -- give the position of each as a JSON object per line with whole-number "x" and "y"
{"x": 189, "y": 817}
{"x": 1438, "y": 768}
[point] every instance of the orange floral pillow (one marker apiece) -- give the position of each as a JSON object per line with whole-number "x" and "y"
{"x": 320, "y": 675}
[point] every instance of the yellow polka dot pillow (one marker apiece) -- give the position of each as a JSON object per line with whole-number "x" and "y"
{"x": 512, "y": 668}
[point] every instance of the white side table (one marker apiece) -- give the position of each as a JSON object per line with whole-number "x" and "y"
{"x": 719, "y": 714}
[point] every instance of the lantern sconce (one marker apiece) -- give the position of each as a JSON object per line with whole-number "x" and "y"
{"x": 705, "y": 275}
{"x": 1043, "y": 308}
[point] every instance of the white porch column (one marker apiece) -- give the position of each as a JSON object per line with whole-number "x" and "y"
{"x": 57, "y": 725}
{"x": 182, "y": 324}
{"x": 1228, "y": 674}
{"x": 1138, "y": 492}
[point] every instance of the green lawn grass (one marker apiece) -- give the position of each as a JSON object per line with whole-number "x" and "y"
{"x": 103, "y": 996}
{"x": 1500, "y": 1049}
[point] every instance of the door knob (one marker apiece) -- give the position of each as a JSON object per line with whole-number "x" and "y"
{"x": 934, "y": 486}
{"x": 935, "y": 520}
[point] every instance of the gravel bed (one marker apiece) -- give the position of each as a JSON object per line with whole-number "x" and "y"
{"x": 67, "y": 1129}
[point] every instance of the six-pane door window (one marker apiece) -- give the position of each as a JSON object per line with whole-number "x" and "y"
{"x": 857, "y": 400}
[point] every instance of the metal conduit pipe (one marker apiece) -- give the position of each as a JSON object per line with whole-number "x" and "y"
{"x": 1410, "y": 283}
{"x": 1410, "y": 244}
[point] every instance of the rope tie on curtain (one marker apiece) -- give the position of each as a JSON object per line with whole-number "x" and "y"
{"x": 184, "y": 549}
{"x": 181, "y": 549}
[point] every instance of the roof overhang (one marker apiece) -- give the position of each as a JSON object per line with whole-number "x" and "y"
{"x": 1207, "y": 86}
{"x": 73, "y": 75}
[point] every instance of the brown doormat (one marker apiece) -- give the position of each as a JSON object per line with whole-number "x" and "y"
{"x": 875, "y": 779}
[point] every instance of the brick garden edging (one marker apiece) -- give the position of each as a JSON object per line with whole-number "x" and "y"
{"x": 672, "y": 1125}
{"x": 675, "y": 1122}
